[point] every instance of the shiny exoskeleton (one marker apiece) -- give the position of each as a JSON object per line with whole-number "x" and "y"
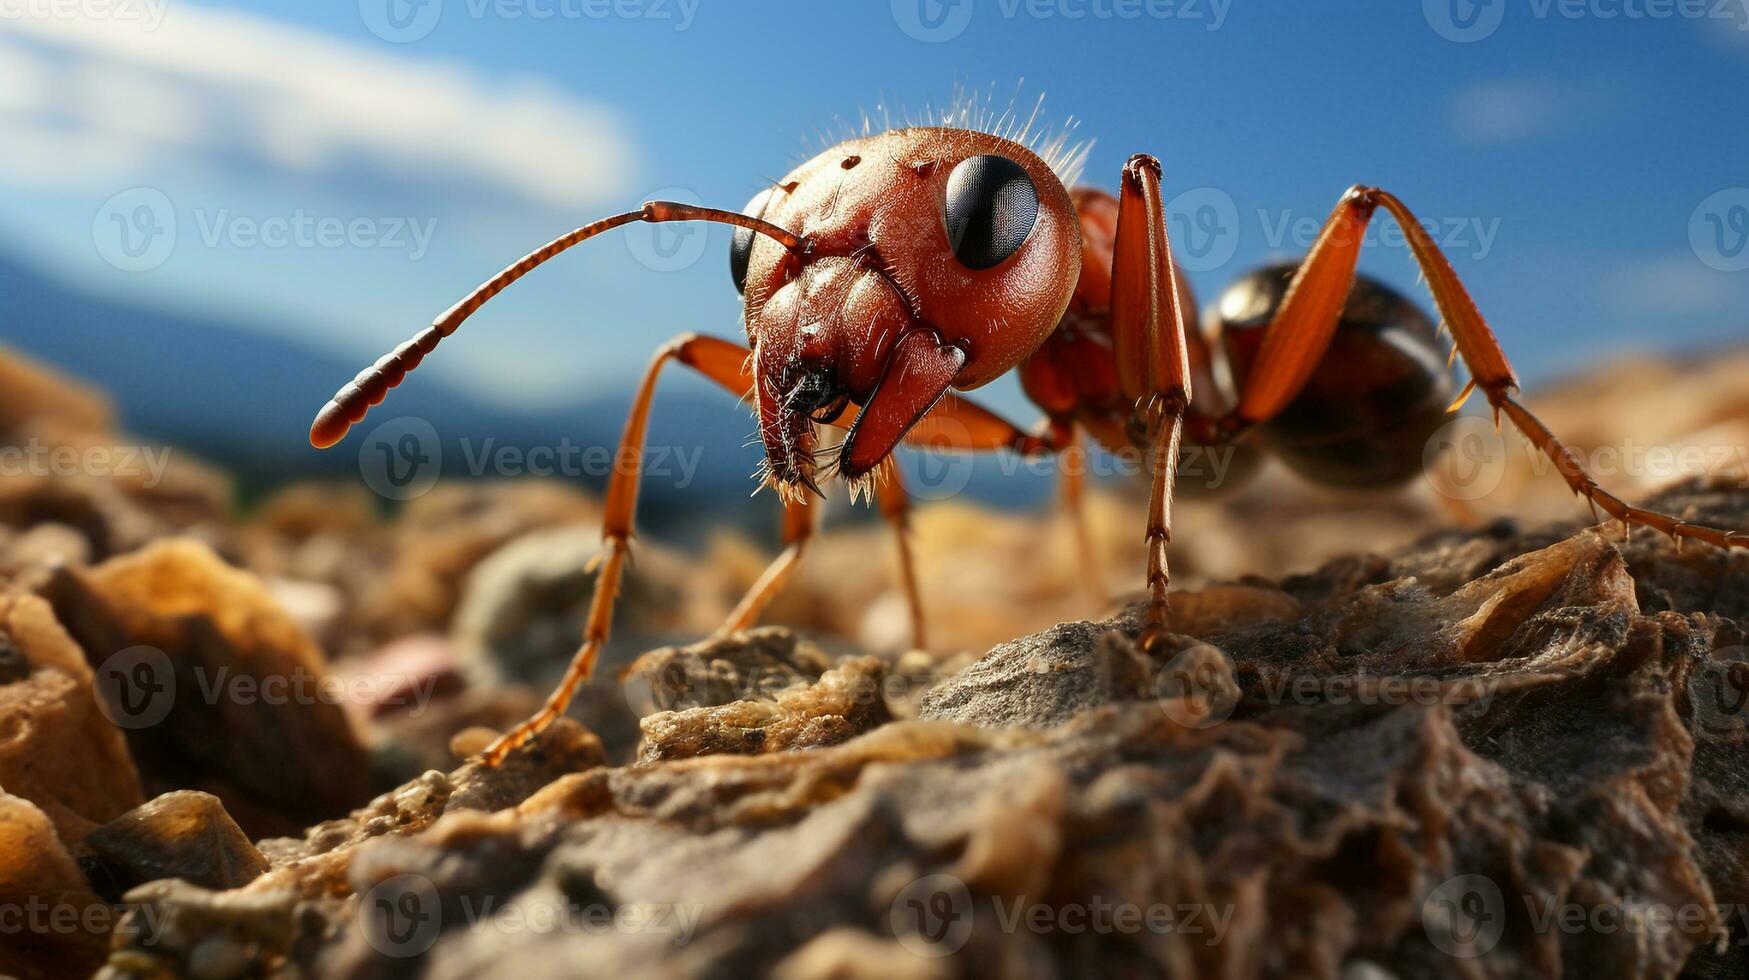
{"x": 896, "y": 269}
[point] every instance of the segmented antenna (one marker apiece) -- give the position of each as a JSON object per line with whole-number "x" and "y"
{"x": 353, "y": 401}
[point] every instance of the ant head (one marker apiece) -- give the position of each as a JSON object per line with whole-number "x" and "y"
{"x": 929, "y": 258}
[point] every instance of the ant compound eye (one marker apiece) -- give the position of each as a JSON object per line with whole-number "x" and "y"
{"x": 991, "y": 208}
{"x": 741, "y": 244}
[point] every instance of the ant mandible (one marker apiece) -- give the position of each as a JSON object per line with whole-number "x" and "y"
{"x": 898, "y": 265}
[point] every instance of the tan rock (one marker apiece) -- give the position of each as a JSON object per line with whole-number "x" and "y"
{"x": 57, "y": 749}
{"x": 184, "y": 835}
{"x": 55, "y": 927}
{"x": 244, "y": 704}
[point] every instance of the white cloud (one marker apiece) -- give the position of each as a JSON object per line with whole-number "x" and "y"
{"x": 88, "y": 97}
{"x": 1670, "y": 286}
{"x": 1508, "y": 110}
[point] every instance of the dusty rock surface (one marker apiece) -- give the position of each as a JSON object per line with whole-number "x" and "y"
{"x": 1475, "y": 757}
{"x": 1511, "y": 750}
{"x": 764, "y": 690}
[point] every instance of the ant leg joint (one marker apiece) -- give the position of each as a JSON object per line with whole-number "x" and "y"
{"x": 1143, "y": 160}
{"x": 1363, "y": 197}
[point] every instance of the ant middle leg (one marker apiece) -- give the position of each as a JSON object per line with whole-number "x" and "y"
{"x": 1072, "y": 491}
{"x": 959, "y": 425}
{"x": 798, "y": 529}
{"x": 1153, "y": 360}
{"x": 895, "y": 506}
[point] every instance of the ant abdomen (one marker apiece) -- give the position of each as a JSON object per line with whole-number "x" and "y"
{"x": 1380, "y": 392}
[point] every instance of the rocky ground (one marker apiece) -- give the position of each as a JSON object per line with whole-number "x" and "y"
{"x": 233, "y": 746}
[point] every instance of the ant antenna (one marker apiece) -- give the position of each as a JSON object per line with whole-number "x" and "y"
{"x": 350, "y": 404}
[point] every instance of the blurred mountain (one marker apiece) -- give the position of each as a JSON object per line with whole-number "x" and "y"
{"x": 243, "y": 397}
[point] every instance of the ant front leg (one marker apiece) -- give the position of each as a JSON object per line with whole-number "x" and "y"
{"x": 1299, "y": 334}
{"x": 719, "y": 360}
{"x": 1153, "y": 361}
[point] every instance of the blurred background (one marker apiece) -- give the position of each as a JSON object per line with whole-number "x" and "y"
{"x": 219, "y": 212}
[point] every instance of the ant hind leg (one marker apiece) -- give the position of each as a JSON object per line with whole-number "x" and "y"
{"x": 1299, "y": 334}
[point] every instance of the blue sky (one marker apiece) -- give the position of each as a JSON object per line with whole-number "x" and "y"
{"x": 347, "y": 170}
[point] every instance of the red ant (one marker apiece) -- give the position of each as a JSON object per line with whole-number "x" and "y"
{"x": 896, "y": 266}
